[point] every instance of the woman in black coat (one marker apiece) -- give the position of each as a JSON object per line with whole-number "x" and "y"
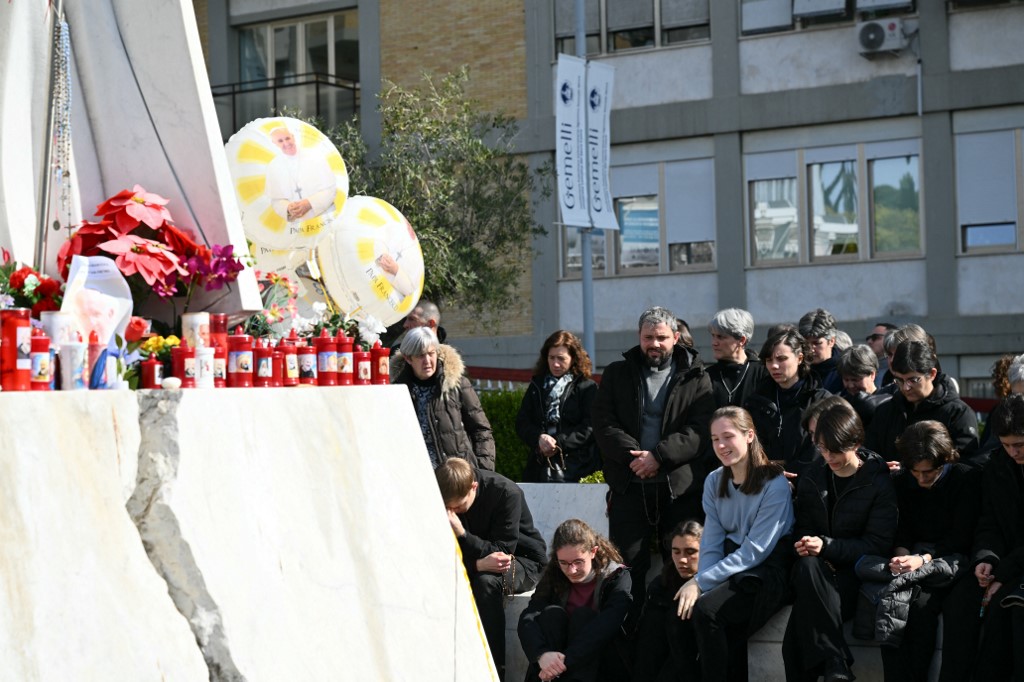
{"x": 779, "y": 401}
{"x": 845, "y": 508}
{"x": 554, "y": 418}
{"x": 923, "y": 393}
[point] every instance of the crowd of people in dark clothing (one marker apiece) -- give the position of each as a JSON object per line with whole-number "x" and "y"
{"x": 850, "y": 482}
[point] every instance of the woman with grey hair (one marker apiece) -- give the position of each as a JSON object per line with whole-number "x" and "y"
{"x": 737, "y": 369}
{"x": 858, "y": 366}
{"x": 1015, "y": 374}
{"x": 451, "y": 419}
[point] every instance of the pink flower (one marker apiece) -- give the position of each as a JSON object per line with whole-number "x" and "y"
{"x": 153, "y": 260}
{"x": 128, "y": 208}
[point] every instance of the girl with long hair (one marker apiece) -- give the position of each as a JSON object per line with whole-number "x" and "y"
{"x": 570, "y": 627}
{"x": 741, "y": 579}
{"x": 666, "y": 647}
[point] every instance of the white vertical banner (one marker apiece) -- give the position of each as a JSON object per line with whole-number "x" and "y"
{"x": 570, "y": 142}
{"x": 600, "y": 79}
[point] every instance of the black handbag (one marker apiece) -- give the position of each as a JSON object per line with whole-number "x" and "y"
{"x": 554, "y": 472}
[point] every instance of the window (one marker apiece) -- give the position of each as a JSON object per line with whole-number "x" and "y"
{"x": 574, "y": 254}
{"x": 774, "y": 221}
{"x": 854, "y": 197}
{"x": 639, "y": 238}
{"x": 986, "y": 178}
{"x": 761, "y": 16}
{"x": 309, "y": 64}
{"x": 662, "y": 208}
{"x": 818, "y": 8}
{"x": 896, "y": 204}
{"x": 833, "y": 193}
{"x": 625, "y": 25}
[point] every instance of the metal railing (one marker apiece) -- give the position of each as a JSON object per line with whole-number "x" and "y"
{"x": 331, "y": 98}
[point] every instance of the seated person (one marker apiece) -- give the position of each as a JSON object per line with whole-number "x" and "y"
{"x": 570, "y": 628}
{"x": 741, "y": 581}
{"x": 845, "y": 508}
{"x": 938, "y": 499}
{"x": 501, "y": 549}
{"x": 999, "y": 548}
{"x": 666, "y": 649}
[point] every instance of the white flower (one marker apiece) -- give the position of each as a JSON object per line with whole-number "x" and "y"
{"x": 31, "y": 282}
{"x": 370, "y": 329}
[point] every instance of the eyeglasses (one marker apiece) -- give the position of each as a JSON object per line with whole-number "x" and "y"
{"x": 874, "y": 337}
{"x": 578, "y": 564}
{"x": 907, "y": 383}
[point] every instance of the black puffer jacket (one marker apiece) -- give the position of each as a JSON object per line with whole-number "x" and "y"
{"x": 943, "y": 405}
{"x": 684, "y": 431}
{"x": 999, "y": 538}
{"x": 777, "y": 415}
{"x": 574, "y": 434}
{"x": 458, "y": 423}
{"x": 741, "y": 380}
{"x": 864, "y": 518}
{"x": 612, "y": 597}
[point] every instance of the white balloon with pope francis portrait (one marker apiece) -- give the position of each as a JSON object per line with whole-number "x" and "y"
{"x": 372, "y": 264}
{"x": 290, "y": 181}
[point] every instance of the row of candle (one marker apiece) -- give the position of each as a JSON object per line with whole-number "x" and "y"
{"x": 28, "y": 358}
{"x": 247, "y": 362}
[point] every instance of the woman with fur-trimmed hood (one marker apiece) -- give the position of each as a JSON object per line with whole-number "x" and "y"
{"x": 451, "y": 419}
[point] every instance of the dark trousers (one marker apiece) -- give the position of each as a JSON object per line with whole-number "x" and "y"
{"x": 560, "y": 629}
{"x": 912, "y": 659}
{"x": 666, "y": 648}
{"x": 488, "y": 592}
{"x": 814, "y": 634}
{"x": 1001, "y": 654}
{"x": 960, "y": 629}
{"x": 720, "y": 621}
{"x": 643, "y": 510}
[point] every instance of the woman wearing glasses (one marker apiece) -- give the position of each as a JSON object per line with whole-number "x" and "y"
{"x": 570, "y": 627}
{"x": 845, "y": 508}
{"x": 923, "y": 393}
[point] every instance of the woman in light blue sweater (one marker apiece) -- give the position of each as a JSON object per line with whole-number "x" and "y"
{"x": 742, "y": 578}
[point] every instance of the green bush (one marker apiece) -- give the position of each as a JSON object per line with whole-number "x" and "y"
{"x": 501, "y": 408}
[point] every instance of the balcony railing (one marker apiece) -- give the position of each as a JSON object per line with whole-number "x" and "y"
{"x": 331, "y": 98}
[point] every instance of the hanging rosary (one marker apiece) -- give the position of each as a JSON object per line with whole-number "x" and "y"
{"x": 61, "y": 161}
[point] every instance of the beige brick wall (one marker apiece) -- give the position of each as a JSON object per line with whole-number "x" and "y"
{"x": 518, "y": 321}
{"x": 440, "y": 36}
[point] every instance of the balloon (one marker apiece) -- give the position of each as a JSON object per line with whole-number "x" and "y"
{"x": 372, "y": 265}
{"x": 290, "y": 181}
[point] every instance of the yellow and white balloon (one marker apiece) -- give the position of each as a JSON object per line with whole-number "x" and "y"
{"x": 372, "y": 264}
{"x": 290, "y": 181}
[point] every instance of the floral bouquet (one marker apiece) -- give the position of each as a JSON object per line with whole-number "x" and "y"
{"x": 136, "y": 230}
{"x": 23, "y": 287}
{"x": 279, "y": 294}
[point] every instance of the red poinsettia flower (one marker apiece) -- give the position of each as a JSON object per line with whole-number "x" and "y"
{"x": 180, "y": 242}
{"x": 128, "y": 208}
{"x": 152, "y": 260}
{"x": 84, "y": 242}
{"x": 48, "y": 287}
{"x": 17, "y": 279}
{"x": 44, "y": 304}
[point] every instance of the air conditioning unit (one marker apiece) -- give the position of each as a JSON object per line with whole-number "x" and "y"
{"x": 881, "y": 35}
